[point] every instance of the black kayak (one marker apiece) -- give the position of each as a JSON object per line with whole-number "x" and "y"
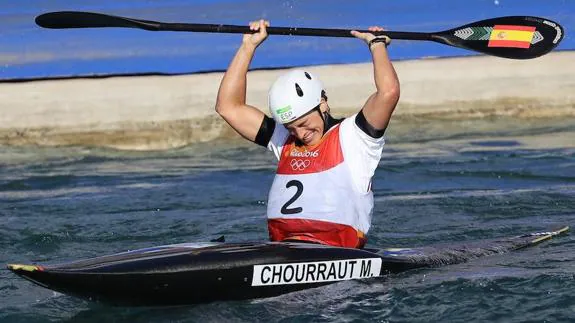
{"x": 206, "y": 272}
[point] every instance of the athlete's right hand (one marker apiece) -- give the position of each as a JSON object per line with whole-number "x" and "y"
{"x": 256, "y": 39}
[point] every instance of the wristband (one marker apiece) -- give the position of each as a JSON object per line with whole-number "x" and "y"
{"x": 381, "y": 39}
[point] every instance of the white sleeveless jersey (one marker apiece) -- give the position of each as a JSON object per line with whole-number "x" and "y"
{"x": 323, "y": 193}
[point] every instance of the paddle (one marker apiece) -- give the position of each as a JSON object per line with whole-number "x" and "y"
{"x": 517, "y": 37}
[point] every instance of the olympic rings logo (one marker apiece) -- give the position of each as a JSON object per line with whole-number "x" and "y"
{"x": 298, "y": 164}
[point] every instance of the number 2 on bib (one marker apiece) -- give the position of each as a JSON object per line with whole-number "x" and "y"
{"x": 285, "y": 208}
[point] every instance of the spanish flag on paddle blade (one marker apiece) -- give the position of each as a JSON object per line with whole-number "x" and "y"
{"x": 511, "y": 36}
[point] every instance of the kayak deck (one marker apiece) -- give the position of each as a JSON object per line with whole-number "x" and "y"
{"x": 199, "y": 273}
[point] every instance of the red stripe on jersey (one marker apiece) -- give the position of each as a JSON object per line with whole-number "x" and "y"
{"x": 328, "y": 233}
{"x": 303, "y": 160}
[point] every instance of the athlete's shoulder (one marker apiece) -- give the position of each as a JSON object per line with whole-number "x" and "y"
{"x": 347, "y": 124}
{"x": 353, "y": 134}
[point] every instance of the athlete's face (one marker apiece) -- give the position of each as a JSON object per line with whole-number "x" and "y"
{"x": 308, "y": 129}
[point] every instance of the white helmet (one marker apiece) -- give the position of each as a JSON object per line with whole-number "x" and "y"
{"x": 294, "y": 94}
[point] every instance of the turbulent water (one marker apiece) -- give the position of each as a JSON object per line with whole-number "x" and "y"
{"x": 438, "y": 182}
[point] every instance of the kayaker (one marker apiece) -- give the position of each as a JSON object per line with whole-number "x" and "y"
{"x": 322, "y": 189}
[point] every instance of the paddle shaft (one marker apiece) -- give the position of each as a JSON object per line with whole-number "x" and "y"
{"x": 287, "y": 31}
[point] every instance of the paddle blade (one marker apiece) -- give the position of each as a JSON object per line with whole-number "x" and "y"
{"x": 78, "y": 19}
{"x": 517, "y": 37}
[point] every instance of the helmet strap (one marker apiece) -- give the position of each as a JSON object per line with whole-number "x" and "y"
{"x": 325, "y": 117}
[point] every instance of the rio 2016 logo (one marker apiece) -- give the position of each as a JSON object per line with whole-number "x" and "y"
{"x": 304, "y": 154}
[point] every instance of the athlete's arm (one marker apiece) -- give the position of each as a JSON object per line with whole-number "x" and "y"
{"x": 379, "y": 106}
{"x": 231, "y": 101}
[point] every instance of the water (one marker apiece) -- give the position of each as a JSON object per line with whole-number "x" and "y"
{"x": 31, "y": 52}
{"x": 447, "y": 181}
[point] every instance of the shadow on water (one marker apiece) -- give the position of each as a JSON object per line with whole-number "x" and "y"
{"x": 496, "y": 143}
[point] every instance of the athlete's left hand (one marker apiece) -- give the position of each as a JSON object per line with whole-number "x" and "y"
{"x": 367, "y": 37}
